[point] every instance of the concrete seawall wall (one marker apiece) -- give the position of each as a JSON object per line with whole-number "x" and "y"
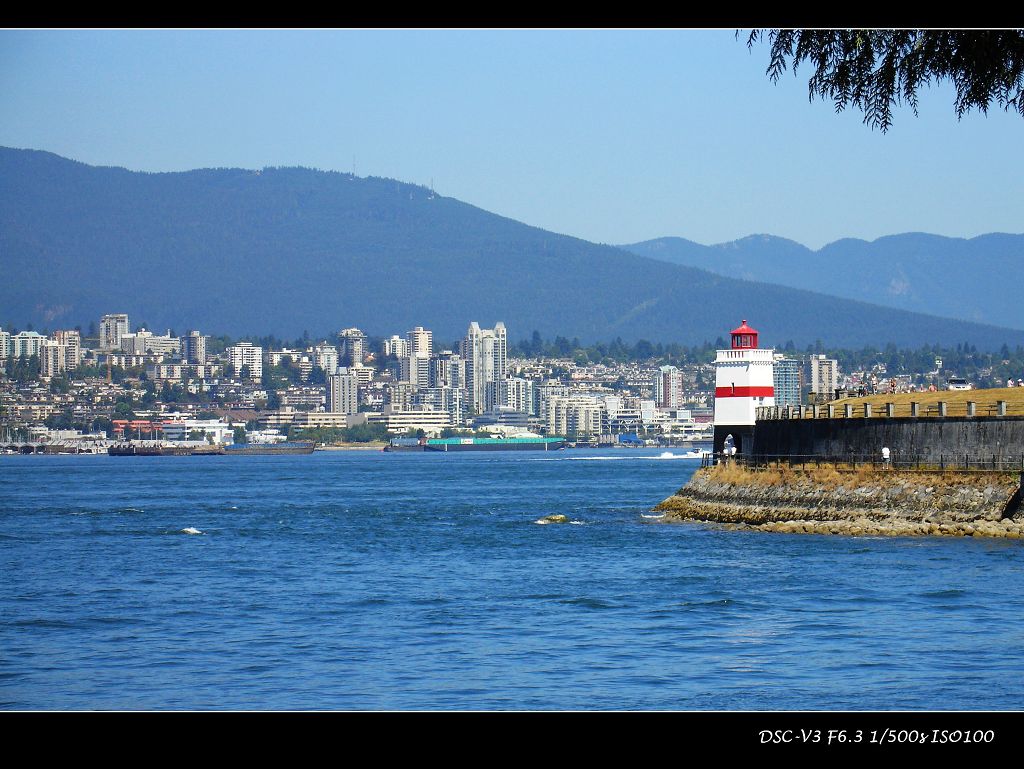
{"x": 930, "y": 438}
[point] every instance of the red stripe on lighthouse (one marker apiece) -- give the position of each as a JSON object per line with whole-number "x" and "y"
{"x": 744, "y": 392}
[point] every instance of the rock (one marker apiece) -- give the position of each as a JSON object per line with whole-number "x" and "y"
{"x": 557, "y": 518}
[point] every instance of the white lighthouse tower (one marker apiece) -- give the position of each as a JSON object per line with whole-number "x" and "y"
{"x": 743, "y": 381}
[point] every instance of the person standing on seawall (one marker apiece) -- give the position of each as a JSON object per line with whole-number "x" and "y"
{"x": 885, "y": 456}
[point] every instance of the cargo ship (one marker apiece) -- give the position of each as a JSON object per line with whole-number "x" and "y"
{"x": 476, "y": 444}
{"x": 288, "y": 447}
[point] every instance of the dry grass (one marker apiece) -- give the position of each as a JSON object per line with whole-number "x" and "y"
{"x": 848, "y": 477}
{"x": 956, "y": 402}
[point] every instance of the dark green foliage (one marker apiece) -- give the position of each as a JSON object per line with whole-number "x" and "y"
{"x": 23, "y": 369}
{"x": 876, "y": 69}
{"x": 356, "y": 434}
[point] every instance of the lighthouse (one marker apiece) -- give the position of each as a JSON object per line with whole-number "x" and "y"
{"x": 743, "y": 381}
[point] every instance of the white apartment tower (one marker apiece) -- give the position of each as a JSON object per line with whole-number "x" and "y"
{"x": 486, "y": 354}
{"x": 744, "y": 380}
{"x": 342, "y": 393}
{"x": 416, "y": 365}
{"x": 246, "y": 354}
{"x": 72, "y": 341}
{"x": 824, "y": 376}
{"x": 112, "y": 327}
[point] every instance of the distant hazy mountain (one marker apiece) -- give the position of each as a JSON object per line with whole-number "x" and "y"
{"x": 286, "y": 250}
{"x": 977, "y": 279}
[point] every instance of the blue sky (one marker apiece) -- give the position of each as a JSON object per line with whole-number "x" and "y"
{"x": 612, "y": 136}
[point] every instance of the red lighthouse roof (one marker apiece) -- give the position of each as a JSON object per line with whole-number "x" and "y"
{"x": 744, "y": 337}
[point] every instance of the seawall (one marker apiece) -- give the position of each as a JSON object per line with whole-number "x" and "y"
{"x": 854, "y": 502}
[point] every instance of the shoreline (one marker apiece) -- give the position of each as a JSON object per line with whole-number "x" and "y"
{"x": 851, "y": 503}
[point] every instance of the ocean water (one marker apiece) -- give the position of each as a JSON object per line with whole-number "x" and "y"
{"x": 359, "y": 580}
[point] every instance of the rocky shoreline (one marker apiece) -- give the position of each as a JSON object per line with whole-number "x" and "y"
{"x": 872, "y": 503}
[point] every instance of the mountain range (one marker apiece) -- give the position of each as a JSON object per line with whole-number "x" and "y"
{"x": 287, "y": 250}
{"x": 976, "y": 279}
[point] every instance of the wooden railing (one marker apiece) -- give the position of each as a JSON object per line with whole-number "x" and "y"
{"x": 840, "y": 410}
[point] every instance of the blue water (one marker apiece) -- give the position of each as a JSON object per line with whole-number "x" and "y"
{"x": 363, "y": 580}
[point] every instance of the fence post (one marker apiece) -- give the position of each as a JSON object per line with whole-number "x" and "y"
{"x": 1001, "y": 408}
{"x": 831, "y": 411}
{"x": 942, "y": 408}
{"x": 867, "y": 410}
{"x": 970, "y": 408}
{"x": 914, "y": 406}
{"x": 848, "y": 410}
{"x": 890, "y": 409}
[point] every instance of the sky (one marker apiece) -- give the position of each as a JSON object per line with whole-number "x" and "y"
{"x": 614, "y": 136}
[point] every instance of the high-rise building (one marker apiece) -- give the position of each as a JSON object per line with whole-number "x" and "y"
{"x": 246, "y": 354}
{"x": 194, "y": 348}
{"x": 788, "y": 377}
{"x": 342, "y": 393}
{"x": 72, "y": 341}
{"x": 668, "y": 387}
{"x": 52, "y": 358}
{"x": 416, "y": 365}
{"x": 352, "y": 343}
{"x": 26, "y": 344}
{"x": 519, "y": 394}
{"x": 112, "y": 328}
{"x": 5, "y": 346}
{"x": 824, "y": 376}
{"x": 326, "y": 357}
{"x": 396, "y": 346}
{"x": 486, "y": 354}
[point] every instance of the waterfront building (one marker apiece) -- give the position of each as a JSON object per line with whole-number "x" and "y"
{"x": 743, "y": 382}
{"x": 503, "y": 417}
{"x": 581, "y": 416}
{"x": 246, "y": 354}
{"x": 342, "y": 393}
{"x": 486, "y": 354}
{"x": 5, "y": 346}
{"x": 194, "y": 348}
{"x": 112, "y": 328}
{"x": 432, "y": 422}
{"x": 788, "y": 379}
{"x": 211, "y": 430}
{"x": 352, "y": 343}
{"x": 327, "y": 419}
